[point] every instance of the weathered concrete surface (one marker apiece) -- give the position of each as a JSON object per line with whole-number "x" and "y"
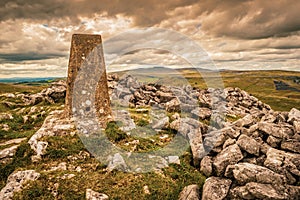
{"x": 86, "y": 51}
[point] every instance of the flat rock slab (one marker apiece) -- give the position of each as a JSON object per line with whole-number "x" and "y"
{"x": 15, "y": 183}
{"x": 215, "y": 188}
{"x": 228, "y": 156}
{"x": 190, "y": 192}
{"x": 14, "y": 141}
{"x": 247, "y": 172}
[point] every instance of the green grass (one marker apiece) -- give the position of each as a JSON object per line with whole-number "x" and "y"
{"x": 60, "y": 147}
{"x": 166, "y": 184}
{"x": 257, "y": 83}
{"x": 21, "y": 88}
{"x": 21, "y": 159}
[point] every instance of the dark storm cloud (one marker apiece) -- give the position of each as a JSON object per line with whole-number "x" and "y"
{"x": 251, "y": 19}
{"x": 145, "y": 13}
{"x": 248, "y": 19}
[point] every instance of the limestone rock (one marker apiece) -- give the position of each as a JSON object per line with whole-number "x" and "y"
{"x": 202, "y": 113}
{"x": 246, "y": 172}
{"x": 294, "y": 115}
{"x": 175, "y": 124}
{"x": 16, "y": 181}
{"x": 174, "y": 159}
{"x": 296, "y": 125}
{"x": 291, "y": 145}
{"x": 279, "y": 131}
{"x": 248, "y": 144}
{"x": 92, "y": 195}
{"x": 5, "y": 116}
{"x": 245, "y": 121}
{"x": 277, "y": 160}
{"x": 8, "y": 152}
{"x": 273, "y": 141}
{"x": 206, "y": 166}
{"x": 54, "y": 125}
{"x": 228, "y": 156}
{"x": 228, "y": 142}
{"x": 173, "y": 105}
{"x": 215, "y": 188}
{"x": 190, "y": 192}
{"x": 13, "y": 141}
{"x": 161, "y": 124}
{"x": 123, "y": 116}
{"x": 229, "y": 131}
{"x": 195, "y": 141}
{"x": 264, "y": 191}
{"x": 239, "y": 193}
{"x": 254, "y": 190}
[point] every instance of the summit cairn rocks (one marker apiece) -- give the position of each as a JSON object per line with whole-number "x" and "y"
{"x": 265, "y": 155}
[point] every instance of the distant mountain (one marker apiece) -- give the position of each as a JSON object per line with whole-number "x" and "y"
{"x": 26, "y": 79}
{"x": 162, "y": 69}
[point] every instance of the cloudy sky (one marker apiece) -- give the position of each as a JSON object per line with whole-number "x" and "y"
{"x": 251, "y": 34}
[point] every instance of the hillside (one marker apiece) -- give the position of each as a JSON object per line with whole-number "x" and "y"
{"x": 245, "y": 137}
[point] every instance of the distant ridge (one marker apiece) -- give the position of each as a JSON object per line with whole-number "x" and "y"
{"x": 26, "y": 79}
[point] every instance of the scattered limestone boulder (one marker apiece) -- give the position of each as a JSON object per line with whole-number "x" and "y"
{"x": 190, "y": 192}
{"x": 273, "y": 141}
{"x": 8, "y": 152}
{"x": 92, "y": 195}
{"x": 5, "y": 116}
{"x": 291, "y": 145}
{"x": 16, "y": 181}
{"x": 56, "y": 124}
{"x": 294, "y": 115}
{"x": 255, "y": 190}
{"x": 265, "y": 191}
{"x": 228, "y": 156}
{"x": 173, "y": 105}
{"x": 240, "y": 192}
{"x": 279, "y": 131}
{"x": 215, "y": 188}
{"x": 296, "y": 125}
{"x": 206, "y": 166}
{"x": 248, "y": 144}
{"x": 13, "y": 141}
{"x": 201, "y": 112}
{"x": 175, "y": 124}
{"x": 245, "y": 121}
{"x": 60, "y": 167}
{"x": 161, "y": 124}
{"x": 124, "y": 117}
{"x": 276, "y": 159}
{"x": 247, "y": 172}
{"x": 229, "y": 142}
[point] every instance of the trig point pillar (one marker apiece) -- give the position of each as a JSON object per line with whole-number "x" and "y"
{"x": 81, "y": 46}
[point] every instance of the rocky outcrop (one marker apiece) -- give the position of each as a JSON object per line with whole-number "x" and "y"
{"x": 56, "y": 124}
{"x": 253, "y": 190}
{"x": 264, "y": 150}
{"x": 8, "y": 152}
{"x": 16, "y": 181}
{"x": 53, "y": 94}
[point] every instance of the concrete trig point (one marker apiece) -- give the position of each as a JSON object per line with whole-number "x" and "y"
{"x": 81, "y": 46}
